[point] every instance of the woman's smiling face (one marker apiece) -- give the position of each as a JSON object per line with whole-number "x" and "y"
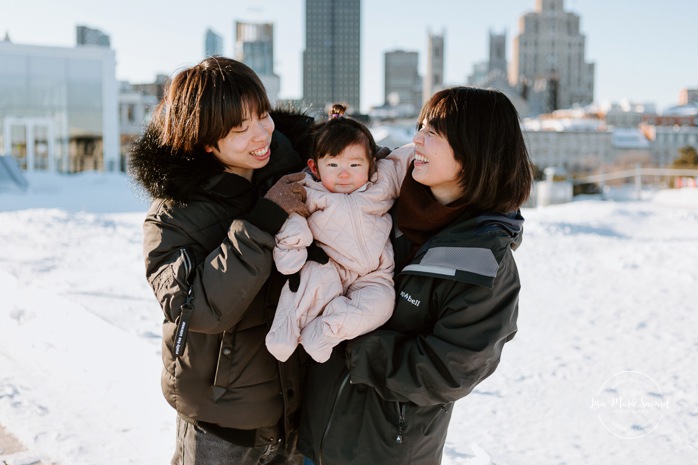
{"x": 435, "y": 165}
{"x": 246, "y": 147}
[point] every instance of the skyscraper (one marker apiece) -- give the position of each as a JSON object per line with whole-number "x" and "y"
{"x": 332, "y": 56}
{"x": 434, "y": 77}
{"x": 213, "y": 44}
{"x": 402, "y": 82}
{"x": 89, "y": 36}
{"x": 493, "y": 73}
{"x": 254, "y": 46}
{"x": 498, "y": 57}
{"x": 549, "y": 67}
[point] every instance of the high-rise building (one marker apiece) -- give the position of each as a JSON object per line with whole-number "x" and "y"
{"x": 495, "y": 68}
{"x": 498, "y": 57}
{"x": 89, "y": 36}
{"x": 213, "y": 44}
{"x": 493, "y": 73}
{"x": 254, "y": 46}
{"x": 332, "y": 56}
{"x": 549, "y": 66}
{"x": 434, "y": 77}
{"x": 402, "y": 81}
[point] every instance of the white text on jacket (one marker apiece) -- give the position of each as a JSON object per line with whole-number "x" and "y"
{"x": 409, "y": 298}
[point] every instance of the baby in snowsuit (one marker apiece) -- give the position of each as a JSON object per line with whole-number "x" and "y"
{"x": 349, "y": 195}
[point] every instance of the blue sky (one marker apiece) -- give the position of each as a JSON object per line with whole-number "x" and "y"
{"x": 644, "y": 50}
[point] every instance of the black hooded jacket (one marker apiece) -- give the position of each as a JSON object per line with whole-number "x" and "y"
{"x": 387, "y": 397}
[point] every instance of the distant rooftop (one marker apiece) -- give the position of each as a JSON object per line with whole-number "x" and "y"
{"x": 690, "y": 109}
{"x": 629, "y": 138}
{"x": 564, "y": 124}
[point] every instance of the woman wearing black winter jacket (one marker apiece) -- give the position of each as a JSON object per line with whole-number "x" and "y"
{"x": 387, "y": 397}
{"x": 209, "y": 159}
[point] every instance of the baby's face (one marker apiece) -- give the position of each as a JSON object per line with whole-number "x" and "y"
{"x": 345, "y": 172}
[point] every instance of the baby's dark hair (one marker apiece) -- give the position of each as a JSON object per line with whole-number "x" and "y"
{"x": 339, "y": 132}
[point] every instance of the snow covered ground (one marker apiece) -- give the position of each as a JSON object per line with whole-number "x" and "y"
{"x": 603, "y": 370}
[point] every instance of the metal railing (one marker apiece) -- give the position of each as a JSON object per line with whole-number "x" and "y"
{"x": 637, "y": 173}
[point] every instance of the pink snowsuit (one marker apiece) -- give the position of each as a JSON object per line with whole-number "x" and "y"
{"x": 353, "y": 293}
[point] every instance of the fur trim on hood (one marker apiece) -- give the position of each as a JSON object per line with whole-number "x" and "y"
{"x": 166, "y": 174}
{"x": 296, "y": 126}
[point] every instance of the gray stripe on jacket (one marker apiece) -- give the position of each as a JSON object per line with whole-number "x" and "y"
{"x": 447, "y": 260}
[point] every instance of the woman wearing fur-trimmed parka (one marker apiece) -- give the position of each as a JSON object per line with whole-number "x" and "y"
{"x": 386, "y": 397}
{"x": 211, "y": 159}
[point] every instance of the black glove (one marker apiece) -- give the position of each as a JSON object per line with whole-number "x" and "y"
{"x": 315, "y": 254}
{"x": 294, "y": 281}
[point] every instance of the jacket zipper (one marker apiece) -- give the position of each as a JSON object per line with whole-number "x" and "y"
{"x": 356, "y": 227}
{"x": 443, "y": 409}
{"x": 187, "y": 262}
{"x": 401, "y": 422}
{"x": 329, "y": 422}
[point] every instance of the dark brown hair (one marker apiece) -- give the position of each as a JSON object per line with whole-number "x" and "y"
{"x": 338, "y": 133}
{"x": 204, "y": 102}
{"x": 482, "y": 127}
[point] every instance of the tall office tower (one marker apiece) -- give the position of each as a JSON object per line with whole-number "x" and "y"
{"x": 434, "y": 77}
{"x": 498, "y": 54}
{"x": 549, "y": 66}
{"x": 332, "y": 55}
{"x": 89, "y": 36}
{"x": 402, "y": 83}
{"x": 254, "y": 46}
{"x": 213, "y": 44}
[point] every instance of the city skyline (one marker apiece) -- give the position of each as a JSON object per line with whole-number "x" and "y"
{"x": 332, "y": 56}
{"x": 643, "y": 51}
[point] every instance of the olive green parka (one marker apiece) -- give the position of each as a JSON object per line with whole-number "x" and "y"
{"x": 208, "y": 240}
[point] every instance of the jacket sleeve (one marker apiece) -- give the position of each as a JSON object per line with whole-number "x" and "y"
{"x": 445, "y": 364}
{"x": 292, "y": 243}
{"x": 225, "y": 282}
{"x": 399, "y": 160}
